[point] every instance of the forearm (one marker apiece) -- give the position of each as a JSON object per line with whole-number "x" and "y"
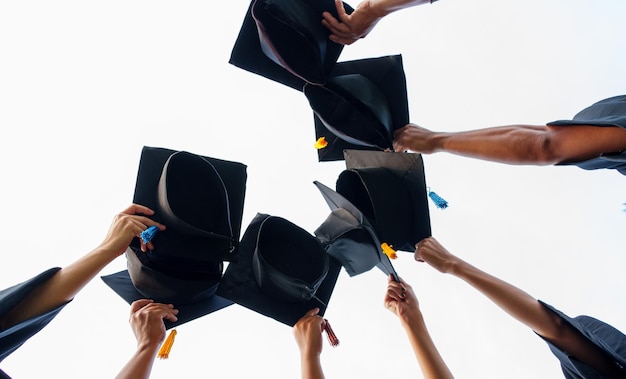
{"x": 140, "y": 364}
{"x": 509, "y": 298}
{"x": 311, "y": 367}
{"x": 61, "y": 287}
{"x": 428, "y": 357}
{"x": 515, "y": 144}
{"x": 384, "y": 7}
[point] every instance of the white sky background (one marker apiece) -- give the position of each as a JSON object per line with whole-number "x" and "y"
{"x": 84, "y": 85}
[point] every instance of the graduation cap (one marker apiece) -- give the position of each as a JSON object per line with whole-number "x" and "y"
{"x": 285, "y": 41}
{"x": 389, "y": 189}
{"x": 200, "y": 200}
{"x": 282, "y": 272}
{"x": 360, "y": 106}
{"x": 348, "y": 236}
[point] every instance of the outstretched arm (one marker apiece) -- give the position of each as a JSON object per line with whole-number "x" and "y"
{"x": 146, "y": 320}
{"x": 401, "y": 300}
{"x": 308, "y": 334}
{"x": 351, "y": 27}
{"x": 516, "y": 144}
{"x": 517, "y": 303}
{"x": 68, "y": 281}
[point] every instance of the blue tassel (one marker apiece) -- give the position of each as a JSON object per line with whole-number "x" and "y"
{"x": 148, "y": 234}
{"x": 440, "y": 202}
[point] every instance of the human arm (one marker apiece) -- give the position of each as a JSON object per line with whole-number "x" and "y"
{"x": 516, "y": 144}
{"x": 351, "y": 27}
{"x": 308, "y": 334}
{"x": 401, "y": 300}
{"x": 518, "y": 304}
{"x": 146, "y": 320}
{"x": 68, "y": 281}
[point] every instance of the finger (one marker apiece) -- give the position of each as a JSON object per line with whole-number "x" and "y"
{"x": 397, "y": 292}
{"x": 171, "y": 315}
{"x": 341, "y": 10}
{"x": 417, "y": 255}
{"x": 137, "y": 208}
{"x": 312, "y": 312}
{"x": 341, "y": 41}
{"x": 138, "y": 304}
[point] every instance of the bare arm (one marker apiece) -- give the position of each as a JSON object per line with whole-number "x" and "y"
{"x": 517, "y": 303}
{"x": 68, "y": 281}
{"x": 401, "y": 300}
{"x": 516, "y": 144}
{"x": 351, "y": 27}
{"x": 308, "y": 334}
{"x": 146, "y": 320}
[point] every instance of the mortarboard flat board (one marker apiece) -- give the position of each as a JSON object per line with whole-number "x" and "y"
{"x": 200, "y": 201}
{"x": 122, "y": 284}
{"x": 285, "y": 41}
{"x": 282, "y": 272}
{"x": 361, "y": 105}
{"x": 348, "y": 236}
{"x": 389, "y": 188}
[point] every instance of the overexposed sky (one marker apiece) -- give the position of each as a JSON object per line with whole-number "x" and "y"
{"x": 84, "y": 85}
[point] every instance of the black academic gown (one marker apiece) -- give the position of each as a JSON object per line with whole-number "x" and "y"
{"x": 15, "y": 336}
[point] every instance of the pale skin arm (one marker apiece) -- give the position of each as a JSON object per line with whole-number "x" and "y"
{"x": 516, "y": 144}
{"x": 67, "y": 282}
{"x": 518, "y": 304}
{"x": 308, "y": 334}
{"x": 146, "y": 320}
{"x": 351, "y": 27}
{"x": 401, "y": 300}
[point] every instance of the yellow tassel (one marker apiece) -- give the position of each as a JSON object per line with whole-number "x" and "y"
{"x": 320, "y": 143}
{"x": 164, "y": 351}
{"x": 388, "y": 250}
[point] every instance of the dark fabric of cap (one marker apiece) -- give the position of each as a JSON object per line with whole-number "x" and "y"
{"x": 15, "y": 336}
{"x": 348, "y": 236}
{"x": 199, "y": 199}
{"x": 363, "y": 102}
{"x": 285, "y": 41}
{"x": 389, "y": 188}
{"x": 167, "y": 289}
{"x": 283, "y": 271}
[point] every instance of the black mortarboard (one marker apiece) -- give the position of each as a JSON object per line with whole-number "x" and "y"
{"x": 200, "y": 201}
{"x": 348, "y": 236}
{"x": 282, "y": 272}
{"x": 389, "y": 188}
{"x": 285, "y": 41}
{"x": 361, "y": 105}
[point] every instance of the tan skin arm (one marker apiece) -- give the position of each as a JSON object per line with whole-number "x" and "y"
{"x": 519, "y": 304}
{"x": 146, "y": 320}
{"x": 401, "y": 300}
{"x": 516, "y": 144}
{"x": 308, "y": 334}
{"x": 351, "y": 27}
{"x": 67, "y": 282}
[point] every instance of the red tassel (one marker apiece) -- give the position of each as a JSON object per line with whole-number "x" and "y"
{"x": 332, "y": 338}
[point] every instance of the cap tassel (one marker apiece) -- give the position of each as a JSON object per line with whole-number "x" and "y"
{"x": 332, "y": 338}
{"x": 148, "y": 234}
{"x": 388, "y": 250}
{"x": 320, "y": 143}
{"x": 164, "y": 351}
{"x": 439, "y": 201}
